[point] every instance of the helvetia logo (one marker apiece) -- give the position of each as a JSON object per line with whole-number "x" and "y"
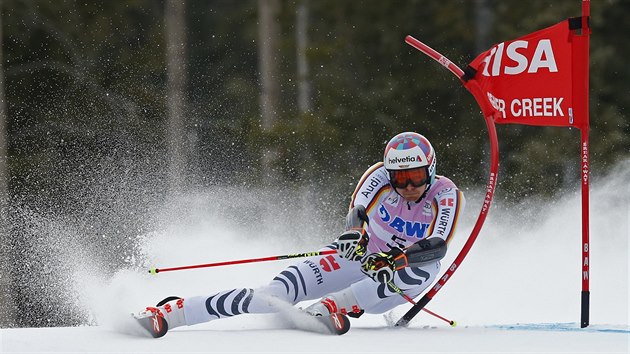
{"x": 405, "y": 159}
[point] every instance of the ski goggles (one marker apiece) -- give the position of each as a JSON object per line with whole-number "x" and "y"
{"x": 418, "y": 177}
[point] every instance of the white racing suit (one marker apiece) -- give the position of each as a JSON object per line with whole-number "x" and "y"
{"x": 393, "y": 221}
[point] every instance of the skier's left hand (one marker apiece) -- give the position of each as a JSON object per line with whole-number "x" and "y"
{"x": 381, "y": 266}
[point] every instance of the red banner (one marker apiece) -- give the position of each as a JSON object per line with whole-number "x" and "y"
{"x": 538, "y": 79}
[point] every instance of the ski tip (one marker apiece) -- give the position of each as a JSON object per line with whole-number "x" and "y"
{"x": 153, "y": 271}
{"x": 340, "y": 322}
{"x": 155, "y": 324}
{"x": 453, "y": 324}
{"x": 160, "y": 328}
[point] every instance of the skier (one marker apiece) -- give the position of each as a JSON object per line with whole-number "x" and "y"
{"x": 401, "y": 218}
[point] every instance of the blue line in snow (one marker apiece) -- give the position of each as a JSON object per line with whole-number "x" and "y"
{"x": 561, "y": 327}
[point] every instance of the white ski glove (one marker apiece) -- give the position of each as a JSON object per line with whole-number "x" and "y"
{"x": 352, "y": 244}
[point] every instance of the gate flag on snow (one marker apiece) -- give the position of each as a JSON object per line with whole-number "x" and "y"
{"x": 542, "y": 79}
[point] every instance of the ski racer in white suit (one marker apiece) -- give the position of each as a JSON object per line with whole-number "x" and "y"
{"x": 402, "y": 216}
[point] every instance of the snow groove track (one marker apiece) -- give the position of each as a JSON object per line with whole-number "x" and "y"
{"x": 562, "y": 327}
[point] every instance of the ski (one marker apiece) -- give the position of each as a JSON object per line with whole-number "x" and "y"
{"x": 152, "y": 322}
{"x": 335, "y": 323}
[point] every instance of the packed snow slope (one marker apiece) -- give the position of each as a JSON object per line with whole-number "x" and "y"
{"x": 517, "y": 291}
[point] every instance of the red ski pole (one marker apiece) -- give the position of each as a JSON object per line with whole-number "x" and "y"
{"x": 398, "y": 290}
{"x": 241, "y": 261}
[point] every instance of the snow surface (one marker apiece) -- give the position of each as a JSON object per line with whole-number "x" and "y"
{"x": 518, "y": 291}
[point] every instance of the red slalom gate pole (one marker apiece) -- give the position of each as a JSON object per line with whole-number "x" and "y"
{"x": 584, "y": 68}
{"x": 241, "y": 261}
{"x": 490, "y": 187}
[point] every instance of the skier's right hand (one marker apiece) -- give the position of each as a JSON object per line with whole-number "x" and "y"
{"x": 352, "y": 244}
{"x": 379, "y": 266}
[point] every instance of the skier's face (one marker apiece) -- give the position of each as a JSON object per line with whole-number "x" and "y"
{"x": 411, "y": 193}
{"x": 417, "y": 177}
{"x": 410, "y": 184}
